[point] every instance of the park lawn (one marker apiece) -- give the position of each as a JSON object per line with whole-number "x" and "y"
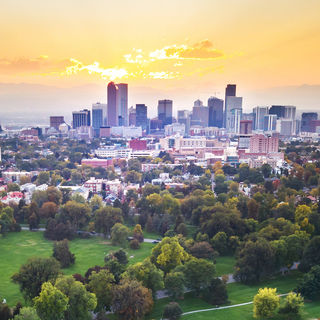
{"x": 225, "y": 265}
{"x": 16, "y": 248}
{"x": 238, "y": 293}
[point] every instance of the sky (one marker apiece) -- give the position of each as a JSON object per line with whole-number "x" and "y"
{"x": 179, "y": 49}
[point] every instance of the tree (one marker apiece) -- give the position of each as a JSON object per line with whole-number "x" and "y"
{"x": 81, "y": 302}
{"x": 106, "y": 217}
{"x": 265, "y": 303}
{"x": 220, "y": 242}
{"x": 311, "y": 255}
{"x": 27, "y": 313}
{"x": 148, "y": 274}
{"x": 216, "y": 293}
{"x": 202, "y": 249}
{"x": 137, "y": 233}
{"x": 43, "y": 177}
{"x": 131, "y": 300}
{"x": 255, "y": 260}
{"x": 168, "y": 254}
{"x": 253, "y": 209}
{"x": 119, "y": 235}
{"x": 266, "y": 170}
{"x": 5, "y": 311}
{"x": 34, "y": 273}
{"x": 174, "y": 283}
{"x": 198, "y": 274}
{"x": 134, "y": 244}
{"x": 100, "y": 283}
{"x": 78, "y": 214}
{"x": 6, "y": 219}
{"x": 62, "y": 253}
{"x": 58, "y": 231}
{"x": 49, "y": 210}
{"x": 51, "y": 303}
{"x": 172, "y": 311}
{"x": 292, "y": 305}
{"x": 121, "y": 256}
{"x": 309, "y": 286}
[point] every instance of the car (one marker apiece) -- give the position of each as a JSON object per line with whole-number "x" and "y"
{"x": 155, "y": 241}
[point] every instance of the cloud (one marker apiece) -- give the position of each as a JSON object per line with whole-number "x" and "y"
{"x": 32, "y": 65}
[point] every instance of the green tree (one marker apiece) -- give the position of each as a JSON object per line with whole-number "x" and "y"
{"x": 309, "y": 286}
{"x": 148, "y": 274}
{"x": 34, "y": 273}
{"x": 27, "y": 313}
{"x": 311, "y": 255}
{"x": 81, "y": 302}
{"x": 292, "y": 306}
{"x": 119, "y": 235}
{"x": 105, "y": 218}
{"x": 78, "y": 214}
{"x": 137, "y": 233}
{"x": 216, "y": 293}
{"x": 220, "y": 242}
{"x": 43, "y": 177}
{"x": 265, "y": 303}
{"x": 51, "y": 303}
{"x": 131, "y": 301}
{"x": 174, "y": 283}
{"x": 198, "y": 274}
{"x": 168, "y": 254}
{"x": 101, "y": 283}
{"x": 62, "y": 253}
{"x": 255, "y": 260}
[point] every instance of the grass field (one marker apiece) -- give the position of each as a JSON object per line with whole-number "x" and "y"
{"x": 16, "y": 248}
{"x": 238, "y": 293}
{"x": 225, "y": 265}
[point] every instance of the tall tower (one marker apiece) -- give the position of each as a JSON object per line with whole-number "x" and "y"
{"x": 259, "y": 114}
{"x": 230, "y": 92}
{"x": 112, "y": 115}
{"x": 81, "y": 118}
{"x": 165, "y": 111}
{"x": 141, "y": 116}
{"x": 215, "y": 106}
{"x": 122, "y": 103}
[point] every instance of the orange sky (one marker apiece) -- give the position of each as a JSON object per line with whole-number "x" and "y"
{"x": 199, "y": 45}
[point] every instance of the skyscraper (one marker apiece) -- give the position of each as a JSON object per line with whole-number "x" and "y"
{"x": 184, "y": 118}
{"x": 245, "y": 127}
{"x": 270, "y": 122}
{"x": 230, "y": 92}
{"x": 306, "y": 119}
{"x": 112, "y": 114}
{"x": 231, "y": 103}
{"x": 259, "y": 113}
{"x": 165, "y": 111}
{"x": 215, "y": 106}
{"x": 141, "y": 116}
{"x": 200, "y": 114}
{"x": 56, "y": 121}
{"x": 122, "y": 104}
{"x": 132, "y": 116}
{"x": 98, "y": 117}
{"x": 81, "y": 118}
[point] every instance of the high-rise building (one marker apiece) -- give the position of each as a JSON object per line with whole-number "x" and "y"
{"x": 184, "y": 118}
{"x": 269, "y": 122}
{"x": 132, "y": 116}
{"x": 260, "y": 143}
{"x": 112, "y": 114}
{"x": 259, "y": 113}
{"x": 141, "y": 116}
{"x": 306, "y": 119}
{"x": 245, "y": 127}
{"x": 233, "y": 104}
{"x": 277, "y": 110}
{"x": 215, "y": 106}
{"x": 200, "y": 114}
{"x": 122, "y": 104}
{"x": 81, "y": 118}
{"x": 98, "y": 112}
{"x": 286, "y": 116}
{"x": 230, "y": 92}
{"x": 165, "y": 111}
{"x": 56, "y": 121}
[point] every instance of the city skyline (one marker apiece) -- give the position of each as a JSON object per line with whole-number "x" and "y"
{"x": 43, "y": 45}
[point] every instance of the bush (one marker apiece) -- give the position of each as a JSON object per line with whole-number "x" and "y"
{"x": 292, "y": 306}
{"x": 134, "y": 244}
{"x": 172, "y": 311}
{"x": 62, "y": 253}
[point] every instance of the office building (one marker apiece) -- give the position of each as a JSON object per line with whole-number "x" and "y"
{"x": 245, "y": 127}
{"x": 132, "y": 116}
{"x": 233, "y": 104}
{"x": 141, "y": 117}
{"x": 81, "y": 118}
{"x": 215, "y": 107}
{"x": 122, "y": 104}
{"x": 184, "y": 118}
{"x": 269, "y": 122}
{"x": 56, "y": 121}
{"x": 259, "y": 113}
{"x": 98, "y": 112}
{"x": 165, "y": 111}
{"x": 200, "y": 114}
{"x": 230, "y": 92}
{"x": 306, "y": 119}
{"x": 260, "y": 143}
{"x": 279, "y": 111}
{"x": 112, "y": 114}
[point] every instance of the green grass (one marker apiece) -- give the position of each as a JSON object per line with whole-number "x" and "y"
{"x": 225, "y": 265}
{"x": 238, "y": 293}
{"x": 16, "y": 248}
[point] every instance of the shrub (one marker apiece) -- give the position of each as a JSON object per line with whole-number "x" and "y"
{"x": 134, "y": 244}
{"x": 172, "y": 311}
